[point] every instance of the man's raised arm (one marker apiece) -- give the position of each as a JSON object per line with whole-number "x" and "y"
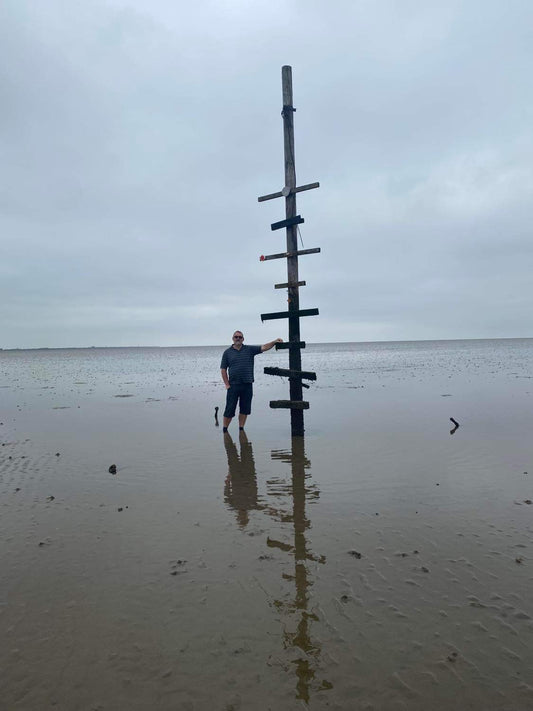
{"x": 268, "y": 346}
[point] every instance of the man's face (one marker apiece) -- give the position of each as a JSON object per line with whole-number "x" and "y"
{"x": 238, "y": 338}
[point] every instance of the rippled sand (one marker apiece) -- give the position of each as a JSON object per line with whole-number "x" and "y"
{"x": 379, "y": 563}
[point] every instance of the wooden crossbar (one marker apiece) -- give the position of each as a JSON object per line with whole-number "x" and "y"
{"x": 287, "y": 285}
{"x": 289, "y": 314}
{"x": 288, "y": 191}
{"x": 283, "y": 255}
{"x": 286, "y": 373}
{"x": 289, "y": 222}
{"x": 290, "y": 404}
{"x": 290, "y": 344}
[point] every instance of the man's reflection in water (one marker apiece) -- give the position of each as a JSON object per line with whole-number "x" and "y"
{"x": 240, "y": 490}
{"x": 290, "y": 498}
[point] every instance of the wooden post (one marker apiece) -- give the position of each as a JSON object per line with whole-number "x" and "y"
{"x": 290, "y": 223}
{"x": 295, "y": 356}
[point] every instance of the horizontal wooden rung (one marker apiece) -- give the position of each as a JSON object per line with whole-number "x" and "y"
{"x": 290, "y": 404}
{"x": 290, "y": 344}
{"x": 289, "y": 222}
{"x": 289, "y": 314}
{"x": 283, "y": 255}
{"x": 309, "y": 186}
{"x": 286, "y": 373}
{"x": 288, "y": 285}
{"x": 288, "y": 191}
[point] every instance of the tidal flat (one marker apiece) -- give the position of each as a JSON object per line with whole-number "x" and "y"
{"x": 382, "y": 562}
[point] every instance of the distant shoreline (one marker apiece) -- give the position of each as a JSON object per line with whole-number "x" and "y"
{"x": 224, "y": 345}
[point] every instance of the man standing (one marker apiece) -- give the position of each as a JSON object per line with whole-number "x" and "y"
{"x": 240, "y": 361}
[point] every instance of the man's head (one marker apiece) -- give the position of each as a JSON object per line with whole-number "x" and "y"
{"x": 238, "y": 338}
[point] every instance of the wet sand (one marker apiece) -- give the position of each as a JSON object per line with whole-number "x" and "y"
{"x": 379, "y": 563}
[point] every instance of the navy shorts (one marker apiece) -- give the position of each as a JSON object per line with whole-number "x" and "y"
{"x": 241, "y": 393}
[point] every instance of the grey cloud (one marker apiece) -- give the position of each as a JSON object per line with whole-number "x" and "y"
{"x": 135, "y": 141}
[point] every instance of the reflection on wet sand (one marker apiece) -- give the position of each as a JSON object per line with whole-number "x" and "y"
{"x": 296, "y": 611}
{"x": 240, "y": 490}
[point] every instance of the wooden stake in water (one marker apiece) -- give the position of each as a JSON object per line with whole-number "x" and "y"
{"x": 291, "y": 222}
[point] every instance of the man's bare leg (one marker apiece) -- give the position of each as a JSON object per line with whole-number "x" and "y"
{"x": 225, "y": 423}
{"x": 242, "y": 420}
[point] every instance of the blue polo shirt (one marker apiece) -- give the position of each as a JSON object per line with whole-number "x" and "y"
{"x": 240, "y": 363}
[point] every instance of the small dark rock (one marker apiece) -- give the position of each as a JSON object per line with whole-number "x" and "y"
{"x": 113, "y": 469}
{"x": 528, "y": 501}
{"x": 50, "y": 498}
{"x": 58, "y": 454}
{"x": 355, "y": 554}
{"x": 120, "y": 508}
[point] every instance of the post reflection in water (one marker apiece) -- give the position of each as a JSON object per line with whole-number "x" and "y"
{"x": 297, "y": 625}
{"x": 240, "y": 490}
{"x": 291, "y": 498}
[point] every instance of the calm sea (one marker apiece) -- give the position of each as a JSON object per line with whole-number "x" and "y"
{"x": 338, "y": 365}
{"x": 381, "y": 562}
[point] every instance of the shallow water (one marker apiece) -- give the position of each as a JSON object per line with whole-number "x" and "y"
{"x": 379, "y": 563}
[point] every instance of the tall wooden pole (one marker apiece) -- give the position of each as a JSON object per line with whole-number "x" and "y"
{"x": 295, "y": 358}
{"x": 295, "y": 373}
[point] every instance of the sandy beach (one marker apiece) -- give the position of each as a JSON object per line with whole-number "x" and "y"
{"x": 382, "y": 562}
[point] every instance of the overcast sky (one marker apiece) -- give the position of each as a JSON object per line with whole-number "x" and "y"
{"x": 136, "y": 137}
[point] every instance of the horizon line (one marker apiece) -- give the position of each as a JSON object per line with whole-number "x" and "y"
{"x": 314, "y": 343}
